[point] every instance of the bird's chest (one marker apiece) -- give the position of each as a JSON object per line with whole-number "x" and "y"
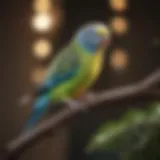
{"x": 96, "y": 66}
{"x": 94, "y": 69}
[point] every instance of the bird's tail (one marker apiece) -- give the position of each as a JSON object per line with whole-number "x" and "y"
{"x": 40, "y": 108}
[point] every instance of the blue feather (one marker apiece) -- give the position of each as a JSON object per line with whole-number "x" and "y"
{"x": 39, "y": 109}
{"x": 89, "y": 40}
{"x": 42, "y": 103}
{"x": 57, "y": 80}
{"x": 60, "y": 79}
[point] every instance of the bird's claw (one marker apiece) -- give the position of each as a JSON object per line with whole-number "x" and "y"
{"x": 73, "y": 104}
{"x": 89, "y": 96}
{"x": 77, "y": 104}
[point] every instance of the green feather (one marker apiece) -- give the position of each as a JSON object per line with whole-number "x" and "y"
{"x": 73, "y": 56}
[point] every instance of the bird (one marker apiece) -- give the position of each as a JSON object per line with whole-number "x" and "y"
{"x": 73, "y": 71}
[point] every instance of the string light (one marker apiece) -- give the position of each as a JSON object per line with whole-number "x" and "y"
{"x": 42, "y": 48}
{"x": 119, "y": 25}
{"x": 42, "y": 5}
{"x": 42, "y": 22}
{"x": 37, "y": 75}
{"x": 119, "y": 59}
{"x": 118, "y": 5}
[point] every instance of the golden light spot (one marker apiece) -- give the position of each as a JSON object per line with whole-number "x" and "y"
{"x": 42, "y": 49}
{"x": 42, "y": 5}
{"x": 119, "y": 59}
{"x": 119, "y": 25}
{"x": 37, "y": 75}
{"x": 42, "y": 22}
{"x": 118, "y": 5}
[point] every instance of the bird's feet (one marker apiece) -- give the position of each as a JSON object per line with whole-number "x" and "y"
{"x": 76, "y": 104}
{"x": 87, "y": 97}
{"x": 73, "y": 104}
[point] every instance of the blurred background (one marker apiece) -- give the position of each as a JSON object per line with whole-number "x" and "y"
{"x": 32, "y": 31}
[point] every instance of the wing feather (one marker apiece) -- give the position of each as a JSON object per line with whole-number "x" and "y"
{"x": 62, "y": 68}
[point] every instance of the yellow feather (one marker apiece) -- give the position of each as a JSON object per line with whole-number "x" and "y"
{"x": 95, "y": 70}
{"x": 96, "y": 66}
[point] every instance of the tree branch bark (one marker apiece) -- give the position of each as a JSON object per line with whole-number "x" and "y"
{"x": 144, "y": 88}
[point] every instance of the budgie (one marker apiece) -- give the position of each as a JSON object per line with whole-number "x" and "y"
{"x": 73, "y": 70}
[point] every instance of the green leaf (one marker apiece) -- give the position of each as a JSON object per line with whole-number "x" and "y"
{"x": 129, "y": 134}
{"x": 154, "y": 112}
{"x": 106, "y": 133}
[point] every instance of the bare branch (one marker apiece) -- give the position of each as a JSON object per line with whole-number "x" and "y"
{"x": 144, "y": 88}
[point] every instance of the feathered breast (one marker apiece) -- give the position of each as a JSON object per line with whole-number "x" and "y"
{"x": 96, "y": 65}
{"x": 93, "y": 73}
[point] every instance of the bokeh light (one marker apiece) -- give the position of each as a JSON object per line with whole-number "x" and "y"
{"x": 119, "y": 25}
{"x": 42, "y": 48}
{"x": 42, "y": 22}
{"x": 42, "y": 5}
{"x": 119, "y": 59}
{"x": 118, "y": 5}
{"x": 37, "y": 75}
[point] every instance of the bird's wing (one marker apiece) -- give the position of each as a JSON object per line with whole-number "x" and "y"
{"x": 64, "y": 67}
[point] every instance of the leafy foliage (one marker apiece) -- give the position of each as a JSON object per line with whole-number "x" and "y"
{"x": 135, "y": 137}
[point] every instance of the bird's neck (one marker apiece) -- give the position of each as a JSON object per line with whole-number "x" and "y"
{"x": 83, "y": 47}
{"x": 80, "y": 48}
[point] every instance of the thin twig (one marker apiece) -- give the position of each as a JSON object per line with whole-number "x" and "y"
{"x": 17, "y": 146}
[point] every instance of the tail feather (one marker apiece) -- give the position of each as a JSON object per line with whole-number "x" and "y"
{"x": 40, "y": 108}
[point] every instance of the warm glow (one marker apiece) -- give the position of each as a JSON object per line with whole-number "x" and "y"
{"x": 42, "y": 22}
{"x": 42, "y": 5}
{"x": 42, "y": 49}
{"x": 37, "y": 75}
{"x": 118, "y": 5}
{"x": 119, "y": 59}
{"x": 119, "y": 25}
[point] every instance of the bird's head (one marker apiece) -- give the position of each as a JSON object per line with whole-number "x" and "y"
{"x": 93, "y": 36}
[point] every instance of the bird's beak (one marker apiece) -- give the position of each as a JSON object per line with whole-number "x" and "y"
{"x": 104, "y": 32}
